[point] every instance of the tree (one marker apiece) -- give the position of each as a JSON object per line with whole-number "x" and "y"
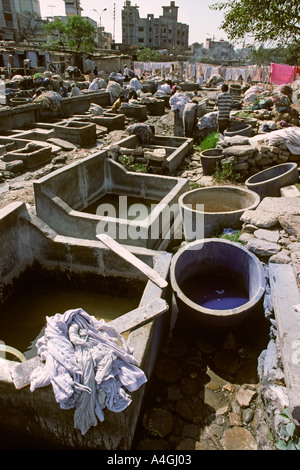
{"x": 264, "y": 20}
{"x": 76, "y": 34}
{"x": 29, "y": 25}
{"x": 283, "y": 55}
{"x": 57, "y": 34}
{"x": 80, "y": 34}
{"x": 145, "y": 54}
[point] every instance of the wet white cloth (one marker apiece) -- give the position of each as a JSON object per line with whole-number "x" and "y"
{"x": 136, "y": 84}
{"x": 94, "y": 85}
{"x": 208, "y": 121}
{"x": 178, "y": 101}
{"x": 289, "y": 136}
{"x": 89, "y": 365}
{"x": 114, "y": 89}
{"x": 164, "y": 87}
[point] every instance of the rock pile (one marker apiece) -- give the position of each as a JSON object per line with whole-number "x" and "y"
{"x": 248, "y": 158}
{"x": 272, "y": 231}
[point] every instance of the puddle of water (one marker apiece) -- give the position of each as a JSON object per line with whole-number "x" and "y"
{"x": 121, "y": 205}
{"x": 23, "y": 317}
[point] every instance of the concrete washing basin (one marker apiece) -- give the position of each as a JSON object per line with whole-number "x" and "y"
{"x": 29, "y": 246}
{"x": 267, "y": 183}
{"x": 208, "y": 264}
{"x": 63, "y": 196}
{"x": 219, "y": 207}
{"x": 236, "y": 128}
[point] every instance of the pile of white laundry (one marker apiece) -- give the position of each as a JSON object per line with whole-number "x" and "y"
{"x": 208, "y": 121}
{"x": 89, "y": 365}
{"x": 289, "y": 136}
{"x": 178, "y": 101}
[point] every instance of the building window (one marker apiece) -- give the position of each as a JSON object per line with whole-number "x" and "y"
{"x": 6, "y": 5}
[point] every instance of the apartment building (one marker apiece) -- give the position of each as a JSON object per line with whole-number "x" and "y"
{"x": 164, "y": 32}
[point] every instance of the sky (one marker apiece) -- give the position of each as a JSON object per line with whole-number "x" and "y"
{"x": 203, "y": 22}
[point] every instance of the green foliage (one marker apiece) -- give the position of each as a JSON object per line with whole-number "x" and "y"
{"x": 130, "y": 165}
{"x": 209, "y": 142}
{"x": 196, "y": 185}
{"x": 145, "y": 54}
{"x": 56, "y": 32}
{"x": 76, "y": 34}
{"x": 289, "y": 55}
{"x": 233, "y": 237}
{"x": 225, "y": 173}
{"x": 263, "y": 20}
{"x": 81, "y": 34}
{"x": 290, "y": 440}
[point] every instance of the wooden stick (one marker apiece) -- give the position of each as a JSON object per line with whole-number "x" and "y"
{"x": 132, "y": 259}
{"x": 139, "y": 316}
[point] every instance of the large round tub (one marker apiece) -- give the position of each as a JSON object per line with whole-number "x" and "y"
{"x": 267, "y": 183}
{"x": 216, "y": 283}
{"x": 205, "y": 212}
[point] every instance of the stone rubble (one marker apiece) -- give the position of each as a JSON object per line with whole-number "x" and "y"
{"x": 249, "y": 159}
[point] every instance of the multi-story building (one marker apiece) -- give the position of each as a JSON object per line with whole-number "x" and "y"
{"x": 222, "y": 50}
{"x": 28, "y": 6}
{"x": 164, "y": 32}
{"x": 8, "y": 20}
{"x": 13, "y": 17}
{"x": 72, "y": 7}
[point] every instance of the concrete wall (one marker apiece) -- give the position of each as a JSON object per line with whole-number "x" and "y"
{"x": 80, "y": 104}
{"x": 60, "y": 196}
{"x": 14, "y": 118}
{"x": 25, "y": 239}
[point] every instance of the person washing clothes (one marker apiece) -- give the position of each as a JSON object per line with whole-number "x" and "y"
{"x": 74, "y": 90}
{"x": 63, "y": 90}
{"x": 224, "y": 103}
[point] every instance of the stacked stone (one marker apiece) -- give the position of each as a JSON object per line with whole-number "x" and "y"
{"x": 272, "y": 231}
{"x": 249, "y": 159}
{"x": 238, "y": 151}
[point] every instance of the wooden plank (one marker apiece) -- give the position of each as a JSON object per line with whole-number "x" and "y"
{"x": 139, "y": 316}
{"x": 286, "y": 297}
{"x": 21, "y": 372}
{"x": 132, "y": 259}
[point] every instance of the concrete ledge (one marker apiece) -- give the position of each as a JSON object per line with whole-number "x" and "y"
{"x": 286, "y": 295}
{"x": 290, "y": 191}
{"x": 14, "y": 118}
{"x": 25, "y": 241}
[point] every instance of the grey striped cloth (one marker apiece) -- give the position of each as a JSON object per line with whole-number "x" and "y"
{"x": 224, "y": 103}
